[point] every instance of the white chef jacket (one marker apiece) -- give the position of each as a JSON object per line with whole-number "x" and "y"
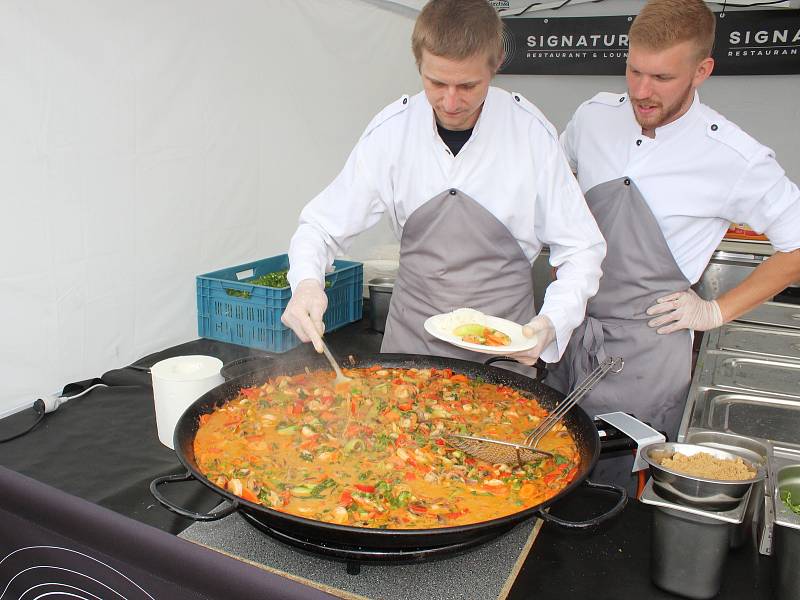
{"x": 697, "y": 175}
{"x": 512, "y": 165}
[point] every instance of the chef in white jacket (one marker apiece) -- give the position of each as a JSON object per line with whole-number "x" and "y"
{"x": 664, "y": 175}
{"x": 474, "y": 182}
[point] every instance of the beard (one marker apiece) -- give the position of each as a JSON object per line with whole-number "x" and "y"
{"x": 663, "y": 114}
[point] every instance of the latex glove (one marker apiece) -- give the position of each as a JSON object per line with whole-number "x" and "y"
{"x": 685, "y": 310}
{"x": 542, "y": 327}
{"x": 303, "y": 314}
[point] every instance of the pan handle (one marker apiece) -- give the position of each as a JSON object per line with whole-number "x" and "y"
{"x": 540, "y": 366}
{"x": 224, "y": 512}
{"x": 594, "y": 522}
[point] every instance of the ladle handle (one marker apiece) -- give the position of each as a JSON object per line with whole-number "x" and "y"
{"x": 610, "y": 364}
{"x": 334, "y": 364}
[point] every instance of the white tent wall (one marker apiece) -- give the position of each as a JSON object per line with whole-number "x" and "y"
{"x": 143, "y": 143}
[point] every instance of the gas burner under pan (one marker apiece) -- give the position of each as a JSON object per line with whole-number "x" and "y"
{"x": 354, "y": 555}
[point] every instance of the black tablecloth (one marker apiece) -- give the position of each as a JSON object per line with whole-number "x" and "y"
{"x": 104, "y": 448}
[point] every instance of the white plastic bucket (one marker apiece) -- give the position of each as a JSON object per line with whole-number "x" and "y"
{"x": 177, "y": 383}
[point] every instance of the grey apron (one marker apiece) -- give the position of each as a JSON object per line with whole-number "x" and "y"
{"x": 454, "y": 253}
{"x": 638, "y": 269}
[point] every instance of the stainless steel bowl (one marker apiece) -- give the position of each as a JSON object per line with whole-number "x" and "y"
{"x": 708, "y": 494}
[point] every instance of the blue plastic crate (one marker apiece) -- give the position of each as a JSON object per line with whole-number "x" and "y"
{"x": 232, "y": 310}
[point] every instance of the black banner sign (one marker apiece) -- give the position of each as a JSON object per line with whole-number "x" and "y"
{"x": 753, "y": 42}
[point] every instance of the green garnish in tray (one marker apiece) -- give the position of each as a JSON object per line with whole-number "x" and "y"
{"x": 276, "y": 279}
{"x": 786, "y": 496}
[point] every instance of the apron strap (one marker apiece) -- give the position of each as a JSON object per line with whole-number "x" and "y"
{"x": 591, "y": 338}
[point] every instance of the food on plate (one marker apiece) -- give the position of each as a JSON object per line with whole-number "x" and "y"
{"x": 447, "y": 322}
{"x": 371, "y": 452}
{"x": 480, "y": 334}
{"x": 707, "y": 466}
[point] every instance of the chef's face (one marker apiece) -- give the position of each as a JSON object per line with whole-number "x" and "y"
{"x": 456, "y": 89}
{"x": 661, "y": 83}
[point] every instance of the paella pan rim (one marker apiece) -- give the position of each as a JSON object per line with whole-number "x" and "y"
{"x": 387, "y": 555}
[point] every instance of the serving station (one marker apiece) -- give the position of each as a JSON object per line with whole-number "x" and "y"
{"x": 745, "y": 396}
{"x": 78, "y": 494}
{"x": 81, "y": 480}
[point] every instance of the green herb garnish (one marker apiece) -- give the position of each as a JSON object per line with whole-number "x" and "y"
{"x": 560, "y": 460}
{"x": 786, "y": 496}
{"x": 276, "y": 279}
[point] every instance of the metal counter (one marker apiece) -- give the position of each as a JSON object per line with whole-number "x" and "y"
{"x": 747, "y": 379}
{"x": 747, "y": 383}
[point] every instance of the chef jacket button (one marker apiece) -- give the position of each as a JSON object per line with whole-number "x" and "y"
{"x": 626, "y": 181}
{"x": 516, "y": 98}
{"x": 714, "y": 127}
{"x": 453, "y": 192}
{"x": 622, "y": 98}
{"x": 638, "y": 142}
{"x": 405, "y": 100}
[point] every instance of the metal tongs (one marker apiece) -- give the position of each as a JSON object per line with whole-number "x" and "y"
{"x": 498, "y": 451}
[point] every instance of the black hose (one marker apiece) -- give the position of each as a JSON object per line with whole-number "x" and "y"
{"x": 38, "y": 406}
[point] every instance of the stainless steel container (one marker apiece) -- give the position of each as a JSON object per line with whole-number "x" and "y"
{"x": 689, "y": 546}
{"x": 380, "y": 296}
{"x": 774, "y": 314}
{"x": 698, "y": 492}
{"x": 757, "y": 451}
{"x": 772, "y": 417}
{"x": 752, "y": 391}
{"x": 725, "y": 271}
{"x": 751, "y": 373}
{"x": 770, "y": 342}
{"x": 786, "y": 534}
{"x": 746, "y": 385}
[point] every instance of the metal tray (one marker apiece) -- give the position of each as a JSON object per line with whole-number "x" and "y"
{"x": 750, "y": 373}
{"x": 734, "y": 516}
{"x": 777, "y": 314}
{"x": 742, "y": 338}
{"x": 768, "y": 417}
{"x": 785, "y": 470}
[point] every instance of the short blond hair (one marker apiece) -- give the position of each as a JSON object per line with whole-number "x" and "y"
{"x": 457, "y": 30}
{"x": 662, "y": 24}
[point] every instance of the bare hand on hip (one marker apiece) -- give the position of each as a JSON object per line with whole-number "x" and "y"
{"x": 685, "y": 310}
{"x": 303, "y": 314}
{"x": 545, "y": 332}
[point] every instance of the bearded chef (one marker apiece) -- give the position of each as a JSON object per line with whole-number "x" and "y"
{"x": 474, "y": 182}
{"x": 664, "y": 175}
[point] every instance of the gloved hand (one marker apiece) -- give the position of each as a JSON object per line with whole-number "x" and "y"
{"x": 303, "y": 314}
{"x": 542, "y": 327}
{"x": 685, "y": 310}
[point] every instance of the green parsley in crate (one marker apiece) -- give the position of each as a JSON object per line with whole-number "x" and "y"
{"x": 276, "y": 279}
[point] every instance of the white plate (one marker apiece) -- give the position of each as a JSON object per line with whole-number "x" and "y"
{"x": 435, "y": 325}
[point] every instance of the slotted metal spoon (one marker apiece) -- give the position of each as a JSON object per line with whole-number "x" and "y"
{"x": 498, "y": 451}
